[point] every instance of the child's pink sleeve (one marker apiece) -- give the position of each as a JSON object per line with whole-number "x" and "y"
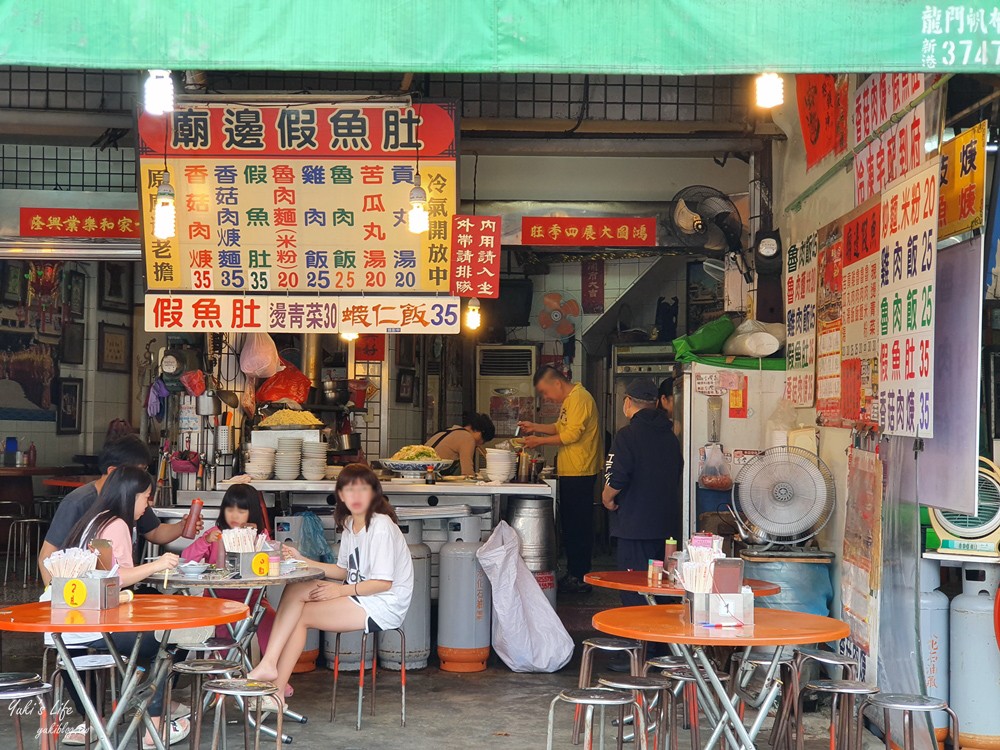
{"x": 200, "y": 550}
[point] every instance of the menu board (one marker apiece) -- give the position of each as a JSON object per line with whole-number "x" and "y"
{"x": 800, "y": 321}
{"x": 963, "y": 182}
{"x": 907, "y": 265}
{"x": 859, "y": 306}
{"x": 300, "y": 198}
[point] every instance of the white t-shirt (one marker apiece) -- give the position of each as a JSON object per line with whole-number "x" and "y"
{"x": 379, "y": 553}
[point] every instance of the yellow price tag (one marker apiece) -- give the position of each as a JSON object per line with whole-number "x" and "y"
{"x": 75, "y": 592}
{"x": 261, "y": 564}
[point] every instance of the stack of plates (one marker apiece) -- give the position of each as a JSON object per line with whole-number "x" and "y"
{"x": 260, "y": 462}
{"x": 288, "y": 459}
{"x": 500, "y": 465}
{"x": 314, "y": 461}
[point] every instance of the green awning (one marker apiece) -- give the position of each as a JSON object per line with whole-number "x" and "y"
{"x": 664, "y": 37}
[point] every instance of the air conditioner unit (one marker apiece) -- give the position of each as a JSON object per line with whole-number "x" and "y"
{"x": 503, "y": 385}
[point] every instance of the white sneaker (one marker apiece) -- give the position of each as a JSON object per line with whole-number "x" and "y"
{"x": 78, "y": 735}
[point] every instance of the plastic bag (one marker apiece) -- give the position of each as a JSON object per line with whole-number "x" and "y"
{"x": 527, "y": 633}
{"x": 288, "y": 382}
{"x": 715, "y": 473}
{"x": 755, "y": 339}
{"x": 313, "y": 544}
{"x": 781, "y": 421}
{"x": 193, "y": 382}
{"x": 708, "y": 339}
{"x": 259, "y": 356}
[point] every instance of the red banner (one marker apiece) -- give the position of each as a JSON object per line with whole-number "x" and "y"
{"x": 370, "y": 347}
{"x": 99, "y": 223}
{"x": 475, "y": 256}
{"x": 823, "y": 108}
{"x": 589, "y": 231}
{"x": 592, "y": 285}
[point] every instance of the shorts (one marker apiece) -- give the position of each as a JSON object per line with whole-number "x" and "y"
{"x": 370, "y": 626}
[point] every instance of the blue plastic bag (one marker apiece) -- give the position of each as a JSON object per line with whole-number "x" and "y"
{"x": 314, "y": 545}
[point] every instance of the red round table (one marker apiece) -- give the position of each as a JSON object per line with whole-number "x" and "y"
{"x": 638, "y": 582}
{"x": 143, "y": 614}
{"x": 69, "y": 482}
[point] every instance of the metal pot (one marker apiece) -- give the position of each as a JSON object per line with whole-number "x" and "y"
{"x": 207, "y": 404}
{"x": 350, "y": 443}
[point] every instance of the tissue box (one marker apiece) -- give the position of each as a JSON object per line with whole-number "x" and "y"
{"x": 250, "y": 564}
{"x": 720, "y": 609}
{"x": 85, "y": 593}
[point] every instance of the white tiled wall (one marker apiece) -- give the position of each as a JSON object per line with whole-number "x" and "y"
{"x": 406, "y": 421}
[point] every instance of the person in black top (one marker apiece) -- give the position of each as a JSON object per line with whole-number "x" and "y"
{"x": 642, "y": 481}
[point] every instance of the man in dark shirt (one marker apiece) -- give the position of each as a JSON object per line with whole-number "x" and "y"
{"x": 127, "y": 451}
{"x": 641, "y": 482}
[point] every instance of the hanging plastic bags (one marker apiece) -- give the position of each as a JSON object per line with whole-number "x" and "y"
{"x": 289, "y": 382}
{"x": 715, "y": 473}
{"x": 527, "y": 633}
{"x": 259, "y": 356}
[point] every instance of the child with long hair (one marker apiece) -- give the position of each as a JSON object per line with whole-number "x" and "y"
{"x": 368, "y": 589}
{"x": 241, "y": 507}
{"x": 122, "y": 501}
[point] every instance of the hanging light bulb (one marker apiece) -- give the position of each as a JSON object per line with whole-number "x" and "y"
{"x": 472, "y": 316}
{"x": 159, "y": 92}
{"x": 164, "y": 214}
{"x": 417, "y": 220}
{"x": 349, "y": 335}
{"x": 770, "y": 90}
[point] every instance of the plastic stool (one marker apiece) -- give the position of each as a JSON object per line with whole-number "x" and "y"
{"x": 781, "y": 733}
{"x": 661, "y": 687}
{"x": 38, "y": 691}
{"x": 609, "y": 645}
{"x": 247, "y": 690}
{"x": 908, "y": 704}
{"x": 361, "y": 675}
{"x": 199, "y": 669}
{"x": 844, "y": 692}
{"x": 602, "y": 698}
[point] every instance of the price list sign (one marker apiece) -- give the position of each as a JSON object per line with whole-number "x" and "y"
{"x": 800, "y": 321}
{"x": 300, "y": 198}
{"x": 906, "y": 293}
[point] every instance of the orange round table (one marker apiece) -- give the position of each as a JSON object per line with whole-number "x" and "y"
{"x": 772, "y": 627}
{"x": 69, "y": 482}
{"x": 142, "y": 615}
{"x": 638, "y": 581}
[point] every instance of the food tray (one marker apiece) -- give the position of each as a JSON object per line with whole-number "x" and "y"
{"x": 415, "y": 468}
{"x": 288, "y": 427}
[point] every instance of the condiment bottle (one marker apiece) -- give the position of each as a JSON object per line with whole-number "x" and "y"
{"x": 32, "y": 455}
{"x": 651, "y": 573}
{"x": 669, "y": 548}
{"x": 429, "y": 475}
{"x": 658, "y": 572}
{"x": 194, "y": 515}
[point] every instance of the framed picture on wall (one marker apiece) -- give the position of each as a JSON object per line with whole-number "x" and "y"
{"x": 114, "y": 286}
{"x": 69, "y": 405}
{"x": 406, "y": 351}
{"x": 114, "y": 348}
{"x": 15, "y": 286}
{"x": 406, "y": 385}
{"x": 76, "y": 293}
{"x": 71, "y": 344}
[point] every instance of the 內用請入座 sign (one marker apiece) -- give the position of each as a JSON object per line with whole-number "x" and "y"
{"x": 475, "y": 256}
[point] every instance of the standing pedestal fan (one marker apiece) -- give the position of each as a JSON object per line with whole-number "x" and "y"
{"x": 783, "y": 498}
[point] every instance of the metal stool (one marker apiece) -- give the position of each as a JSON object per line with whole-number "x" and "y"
{"x": 844, "y": 694}
{"x": 45, "y": 507}
{"x": 663, "y": 662}
{"x": 610, "y": 645}
{"x": 601, "y": 698}
{"x": 781, "y": 732}
{"x": 361, "y": 675}
{"x": 97, "y": 670}
{"x": 908, "y": 704}
{"x": 215, "y": 645}
{"x": 247, "y": 690}
{"x": 38, "y": 691}
{"x": 685, "y": 679}
{"x": 20, "y": 534}
{"x": 199, "y": 669}
{"x": 661, "y": 687}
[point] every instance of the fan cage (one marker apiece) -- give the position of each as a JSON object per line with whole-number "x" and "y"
{"x": 987, "y": 518}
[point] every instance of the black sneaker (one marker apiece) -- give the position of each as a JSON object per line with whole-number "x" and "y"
{"x": 573, "y": 585}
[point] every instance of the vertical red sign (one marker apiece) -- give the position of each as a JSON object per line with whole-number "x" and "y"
{"x": 475, "y": 256}
{"x": 592, "y": 285}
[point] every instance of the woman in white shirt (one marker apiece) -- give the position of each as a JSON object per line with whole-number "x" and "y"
{"x": 374, "y": 567}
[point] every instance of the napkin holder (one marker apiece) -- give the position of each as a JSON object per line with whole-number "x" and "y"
{"x": 249, "y": 564}
{"x": 720, "y": 610}
{"x": 86, "y": 592}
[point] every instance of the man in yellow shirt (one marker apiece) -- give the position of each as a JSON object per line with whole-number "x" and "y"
{"x": 578, "y": 463}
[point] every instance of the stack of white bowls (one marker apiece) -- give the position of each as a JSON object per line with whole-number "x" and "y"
{"x": 332, "y": 472}
{"x": 500, "y": 465}
{"x": 288, "y": 459}
{"x": 314, "y": 461}
{"x": 260, "y": 462}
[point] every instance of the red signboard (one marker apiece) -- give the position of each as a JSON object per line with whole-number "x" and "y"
{"x": 370, "y": 347}
{"x": 97, "y": 223}
{"x": 475, "y": 256}
{"x": 592, "y": 285}
{"x": 823, "y": 111}
{"x": 590, "y": 231}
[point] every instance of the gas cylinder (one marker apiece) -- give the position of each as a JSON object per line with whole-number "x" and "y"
{"x": 975, "y": 658}
{"x": 350, "y": 643}
{"x": 465, "y": 606}
{"x": 417, "y": 624}
{"x": 934, "y": 640}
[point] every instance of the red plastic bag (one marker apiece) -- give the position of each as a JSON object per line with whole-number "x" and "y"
{"x": 288, "y": 382}
{"x": 193, "y": 382}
